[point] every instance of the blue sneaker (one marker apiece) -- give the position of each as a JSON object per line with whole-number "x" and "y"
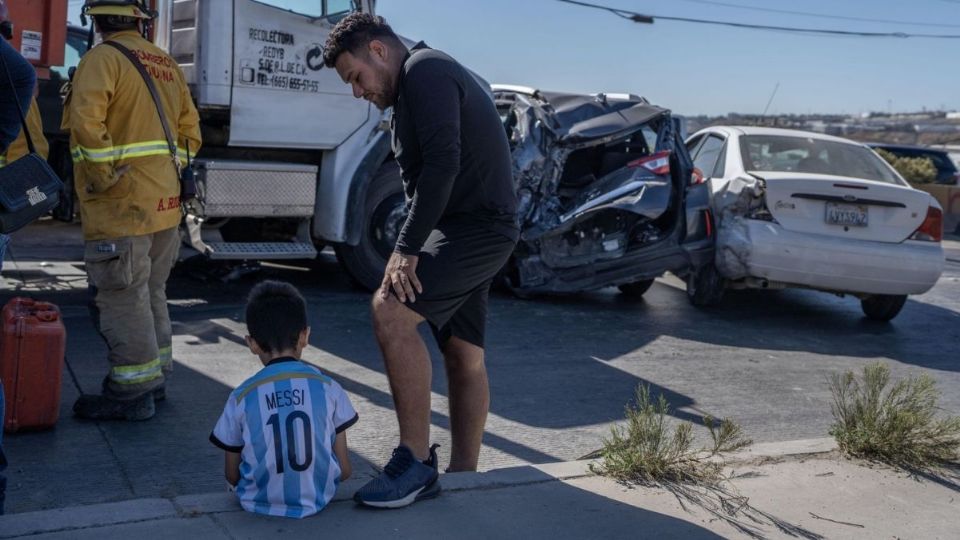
{"x": 403, "y": 481}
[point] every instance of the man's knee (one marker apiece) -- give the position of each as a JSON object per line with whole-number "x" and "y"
{"x": 463, "y": 359}
{"x": 390, "y": 316}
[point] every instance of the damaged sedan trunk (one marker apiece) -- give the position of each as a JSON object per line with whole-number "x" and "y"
{"x": 607, "y": 193}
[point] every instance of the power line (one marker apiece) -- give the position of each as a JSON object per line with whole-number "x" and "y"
{"x": 821, "y": 15}
{"x": 649, "y": 19}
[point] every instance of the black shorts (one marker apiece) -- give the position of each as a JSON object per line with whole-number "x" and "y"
{"x": 456, "y": 267}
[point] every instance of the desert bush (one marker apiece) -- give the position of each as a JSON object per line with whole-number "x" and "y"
{"x": 896, "y": 423}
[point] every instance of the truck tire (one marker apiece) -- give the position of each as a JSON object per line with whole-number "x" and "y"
{"x": 635, "y": 289}
{"x": 384, "y": 214}
{"x": 705, "y": 286}
{"x": 882, "y": 307}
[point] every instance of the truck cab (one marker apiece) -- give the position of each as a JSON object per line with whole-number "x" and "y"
{"x": 291, "y": 161}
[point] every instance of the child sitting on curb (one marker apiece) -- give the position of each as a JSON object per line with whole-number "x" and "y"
{"x": 284, "y": 429}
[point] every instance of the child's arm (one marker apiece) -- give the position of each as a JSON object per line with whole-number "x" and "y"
{"x": 231, "y": 467}
{"x": 340, "y": 450}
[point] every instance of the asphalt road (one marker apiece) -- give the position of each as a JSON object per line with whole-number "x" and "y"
{"x": 561, "y": 369}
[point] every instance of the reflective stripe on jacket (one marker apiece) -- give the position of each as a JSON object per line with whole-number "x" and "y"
{"x": 113, "y": 122}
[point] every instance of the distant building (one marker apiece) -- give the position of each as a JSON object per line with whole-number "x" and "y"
{"x": 936, "y": 128}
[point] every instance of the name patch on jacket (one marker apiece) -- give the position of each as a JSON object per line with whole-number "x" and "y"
{"x": 168, "y": 203}
{"x": 157, "y": 65}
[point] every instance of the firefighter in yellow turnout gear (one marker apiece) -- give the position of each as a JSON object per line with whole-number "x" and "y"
{"x": 127, "y": 185}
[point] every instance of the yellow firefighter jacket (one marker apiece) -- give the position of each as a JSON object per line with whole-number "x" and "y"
{"x": 18, "y": 148}
{"x": 113, "y": 122}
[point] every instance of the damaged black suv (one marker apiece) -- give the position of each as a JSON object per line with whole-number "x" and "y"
{"x": 608, "y": 194}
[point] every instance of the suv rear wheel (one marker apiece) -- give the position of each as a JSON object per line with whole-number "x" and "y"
{"x": 635, "y": 289}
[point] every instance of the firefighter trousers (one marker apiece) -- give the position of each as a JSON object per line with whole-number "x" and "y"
{"x": 128, "y": 279}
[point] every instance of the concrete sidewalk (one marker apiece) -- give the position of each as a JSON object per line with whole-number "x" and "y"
{"x": 800, "y": 489}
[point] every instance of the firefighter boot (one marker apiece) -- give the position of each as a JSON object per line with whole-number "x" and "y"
{"x": 97, "y": 407}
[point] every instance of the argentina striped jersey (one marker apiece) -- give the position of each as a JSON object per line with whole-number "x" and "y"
{"x": 283, "y": 421}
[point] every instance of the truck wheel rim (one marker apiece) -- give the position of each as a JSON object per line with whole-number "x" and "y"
{"x": 386, "y": 223}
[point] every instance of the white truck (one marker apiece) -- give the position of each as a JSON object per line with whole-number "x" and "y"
{"x": 291, "y": 161}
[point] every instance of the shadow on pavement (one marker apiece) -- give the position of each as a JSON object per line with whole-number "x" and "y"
{"x": 546, "y": 508}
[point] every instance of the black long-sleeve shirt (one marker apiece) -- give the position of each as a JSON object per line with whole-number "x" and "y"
{"x": 452, "y": 149}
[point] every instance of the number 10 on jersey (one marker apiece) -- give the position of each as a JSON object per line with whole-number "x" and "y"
{"x": 292, "y": 441}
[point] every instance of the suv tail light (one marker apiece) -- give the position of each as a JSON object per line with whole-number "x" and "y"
{"x": 931, "y": 230}
{"x": 658, "y": 164}
{"x": 697, "y": 177}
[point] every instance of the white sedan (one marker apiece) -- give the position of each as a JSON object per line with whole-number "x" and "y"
{"x": 800, "y": 209}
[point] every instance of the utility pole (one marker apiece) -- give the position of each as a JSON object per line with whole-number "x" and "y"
{"x": 769, "y": 101}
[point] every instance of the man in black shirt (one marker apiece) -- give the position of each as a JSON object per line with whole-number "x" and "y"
{"x": 460, "y": 230}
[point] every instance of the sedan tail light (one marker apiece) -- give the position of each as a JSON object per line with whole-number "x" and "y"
{"x": 658, "y": 164}
{"x": 931, "y": 230}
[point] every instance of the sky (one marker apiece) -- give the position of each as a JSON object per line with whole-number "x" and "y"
{"x": 702, "y": 69}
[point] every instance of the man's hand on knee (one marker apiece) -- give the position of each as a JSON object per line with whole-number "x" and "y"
{"x": 401, "y": 276}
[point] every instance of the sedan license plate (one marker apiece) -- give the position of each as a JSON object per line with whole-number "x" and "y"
{"x": 846, "y": 214}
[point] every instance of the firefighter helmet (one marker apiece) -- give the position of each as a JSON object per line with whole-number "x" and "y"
{"x": 121, "y": 8}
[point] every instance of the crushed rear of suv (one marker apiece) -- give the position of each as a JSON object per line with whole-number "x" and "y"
{"x": 607, "y": 193}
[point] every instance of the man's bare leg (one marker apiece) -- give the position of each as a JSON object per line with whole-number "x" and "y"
{"x": 408, "y": 368}
{"x": 469, "y": 401}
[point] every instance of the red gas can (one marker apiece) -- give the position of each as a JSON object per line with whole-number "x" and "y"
{"x": 32, "y": 346}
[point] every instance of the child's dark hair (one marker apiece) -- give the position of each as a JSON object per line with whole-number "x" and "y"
{"x": 276, "y": 314}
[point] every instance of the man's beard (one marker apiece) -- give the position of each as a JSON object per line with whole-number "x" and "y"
{"x": 387, "y": 95}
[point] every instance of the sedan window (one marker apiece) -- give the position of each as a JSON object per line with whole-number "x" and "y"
{"x": 721, "y": 167}
{"x": 708, "y": 154}
{"x": 784, "y": 153}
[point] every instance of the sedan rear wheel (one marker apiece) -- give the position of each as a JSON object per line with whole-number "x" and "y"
{"x": 705, "y": 286}
{"x": 882, "y": 307}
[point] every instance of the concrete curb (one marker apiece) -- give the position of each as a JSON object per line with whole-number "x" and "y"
{"x": 776, "y": 450}
{"x": 83, "y": 517}
{"x": 211, "y": 503}
{"x": 187, "y": 506}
